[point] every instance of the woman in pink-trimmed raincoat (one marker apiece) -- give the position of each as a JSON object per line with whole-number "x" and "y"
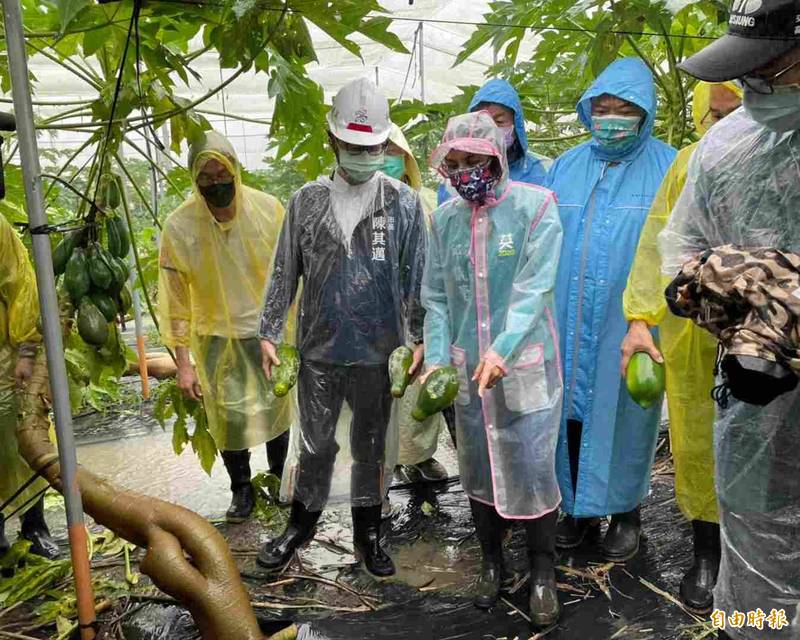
{"x": 488, "y": 294}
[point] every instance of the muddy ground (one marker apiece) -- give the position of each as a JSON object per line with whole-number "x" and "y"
{"x": 431, "y": 538}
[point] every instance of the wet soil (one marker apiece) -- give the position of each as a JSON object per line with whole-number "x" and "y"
{"x": 432, "y": 541}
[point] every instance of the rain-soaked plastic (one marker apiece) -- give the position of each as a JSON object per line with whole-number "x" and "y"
{"x": 19, "y": 314}
{"x": 488, "y": 293}
{"x": 359, "y": 301}
{"x": 689, "y": 352}
{"x": 211, "y": 287}
{"x": 743, "y": 189}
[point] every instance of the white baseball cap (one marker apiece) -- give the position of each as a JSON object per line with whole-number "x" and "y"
{"x": 359, "y": 114}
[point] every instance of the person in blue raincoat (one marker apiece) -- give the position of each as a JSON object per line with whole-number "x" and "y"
{"x": 501, "y": 100}
{"x": 488, "y": 294}
{"x": 604, "y": 189}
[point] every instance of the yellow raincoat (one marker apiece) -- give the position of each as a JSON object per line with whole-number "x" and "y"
{"x": 19, "y": 315}
{"x": 689, "y": 352}
{"x": 211, "y": 290}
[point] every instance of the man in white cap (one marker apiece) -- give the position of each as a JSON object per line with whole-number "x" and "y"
{"x": 357, "y": 242}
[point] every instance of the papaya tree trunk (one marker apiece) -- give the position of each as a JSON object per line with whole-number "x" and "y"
{"x": 186, "y": 557}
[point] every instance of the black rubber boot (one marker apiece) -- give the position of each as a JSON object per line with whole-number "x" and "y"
{"x": 276, "y": 553}
{"x": 545, "y": 609}
{"x": 697, "y": 586}
{"x": 622, "y": 538}
{"x": 489, "y": 529}
{"x": 4, "y": 544}
{"x": 367, "y": 541}
{"x": 34, "y": 529}
{"x": 244, "y": 498}
{"x": 276, "y": 453}
{"x": 571, "y": 532}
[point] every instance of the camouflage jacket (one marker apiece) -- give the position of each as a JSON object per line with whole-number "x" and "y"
{"x": 749, "y": 299}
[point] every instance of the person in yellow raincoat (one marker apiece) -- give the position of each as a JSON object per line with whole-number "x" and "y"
{"x": 19, "y": 344}
{"x": 216, "y": 251}
{"x": 689, "y": 354}
{"x": 418, "y": 442}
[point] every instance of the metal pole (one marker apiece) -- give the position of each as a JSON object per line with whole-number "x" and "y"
{"x": 51, "y": 324}
{"x": 422, "y": 60}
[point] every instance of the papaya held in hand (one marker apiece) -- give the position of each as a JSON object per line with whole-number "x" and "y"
{"x": 400, "y": 370}
{"x": 645, "y": 380}
{"x": 437, "y": 393}
{"x": 284, "y": 375}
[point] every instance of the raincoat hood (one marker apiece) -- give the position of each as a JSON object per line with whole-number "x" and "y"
{"x": 473, "y": 133}
{"x": 215, "y": 146}
{"x": 412, "y": 168}
{"x": 701, "y": 103}
{"x": 631, "y": 80}
{"x": 501, "y": 92}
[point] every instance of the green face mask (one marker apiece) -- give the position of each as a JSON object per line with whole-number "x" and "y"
{"x": 394, "y": 167}
{"x": 360, "y": 167}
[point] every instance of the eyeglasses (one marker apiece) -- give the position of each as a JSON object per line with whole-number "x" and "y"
{"x": 357, "y": 149}
{"x": 766, "y": 86}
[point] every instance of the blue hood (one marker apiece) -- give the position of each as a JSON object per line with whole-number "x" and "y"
{"x": 502, "y": 93}
{"x": 631, "y": 80}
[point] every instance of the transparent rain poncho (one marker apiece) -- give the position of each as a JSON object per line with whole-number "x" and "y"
{"x": 19, "y": 316}
{"x": 359, "y": 301}
{"x": 211, "y": 287}
{"x": 488, "y": 293}
{"x": 689, "y": 352}
{"x": 743, "y": 188}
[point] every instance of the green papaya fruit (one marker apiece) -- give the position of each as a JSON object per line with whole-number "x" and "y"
{"x": 119, "y": 242}
{"x": 125, "y": 299}
{"x": 63, "y": 252}
{"x": 100, "y": 269}
{"x": 105, "y": 305}
{"x": 437, "y": 393}
{"x": 645, "y": 380}
{"x": 76, "y": 276}
{"x": 399, "y": 363}
{"x": 284, "y": 376}
{"x": 121, "y": 273}
{"x": 92, "y": 326}
{"x": 109, "y": 192}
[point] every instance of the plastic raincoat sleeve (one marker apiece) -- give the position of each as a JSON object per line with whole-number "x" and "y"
{"x": 644, "y": 295}
{"x": 434, "y": 299}
{"x": 534, "y": 280}
{"x": 683, "y": 237}
{"x": 18, "y": 293}
{"x": 286, "y": 272}
{"x": 174, "y": 300}
{"x": 412, "y": 261}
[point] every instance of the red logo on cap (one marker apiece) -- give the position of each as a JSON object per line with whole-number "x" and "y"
{"x": 355, "y": 126}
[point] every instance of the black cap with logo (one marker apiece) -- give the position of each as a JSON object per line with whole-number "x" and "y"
{"x": 759, "y": 31}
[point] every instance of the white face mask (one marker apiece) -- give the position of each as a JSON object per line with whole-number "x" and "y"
{"x": 779, "y": 111}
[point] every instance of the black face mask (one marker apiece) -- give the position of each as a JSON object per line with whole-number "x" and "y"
{"x": 219, "y": 195}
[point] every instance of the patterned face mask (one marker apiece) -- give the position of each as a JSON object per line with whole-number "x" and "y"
{"x": 475, "y": 183}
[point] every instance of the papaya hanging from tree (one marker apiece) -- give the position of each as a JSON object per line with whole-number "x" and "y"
{"x": 92, "y": 325}
{"x": 105, "y": 304}
{"x": 109, "y": 193}
{"x": 76, "y": 275}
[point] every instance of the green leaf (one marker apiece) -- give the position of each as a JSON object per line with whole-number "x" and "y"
{"x": 68, "y": 10}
